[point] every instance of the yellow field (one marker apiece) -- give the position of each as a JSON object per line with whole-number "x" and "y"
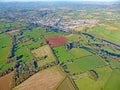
{"x": 43, "y": 80}
{"x": 42, "y": 52}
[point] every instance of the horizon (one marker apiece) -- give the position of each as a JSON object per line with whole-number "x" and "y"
{"x": 58, "y": 0}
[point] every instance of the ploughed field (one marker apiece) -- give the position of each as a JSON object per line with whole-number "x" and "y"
{"x": 56, "y": 40}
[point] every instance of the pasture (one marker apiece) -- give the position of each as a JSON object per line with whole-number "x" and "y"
{"x": 5, "y": 48}
{"x": 103, "y": 31}
{"x": 79, "y": 52}
{"x": 85, "y": 79}
{"x": 84, "y": 64}
{"x": 62, "y": 54}
{"x": 113, "y": 82}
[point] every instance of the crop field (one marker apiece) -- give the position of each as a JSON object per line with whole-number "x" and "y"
{"x": 46, "y": 80}
{"x": 62, "y": 54}
{"x": 56, "y": 41}
{"x": 6, "y": 81}
{"x": 42, "y": 52}
{"x": 84, "y": 64}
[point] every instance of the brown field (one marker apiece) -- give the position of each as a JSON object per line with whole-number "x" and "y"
{"x": 5, "y": 81}
{"x": 111, "y": 28}
{"x": 78, "y": 28}
{"x": 55, "y": 41}
{"x": 43, "y": 80}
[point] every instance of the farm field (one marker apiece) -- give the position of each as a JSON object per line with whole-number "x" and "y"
{"x": 59, "y": 45}
{"x": 86, "y": 79}
{"x": 56, "y": 41}
{"x": 65, "y": 85}
{"x": 114, "y": 64}
{"x": 5, "y": 51}
{"x": 62, "y": 54}
{"x": 41, "y": 52}
{"x": 46, "y": 80}
{"x": 6, "y": 26}
{"x": 113, "y": 81}
{"x": 104, "y": 32}
{"x": 84, "y": 64}
{"x": 79, "y": 53}
{"x": 6, "y": 81}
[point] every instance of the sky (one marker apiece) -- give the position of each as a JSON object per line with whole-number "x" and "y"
{"x": 57, "y": 0}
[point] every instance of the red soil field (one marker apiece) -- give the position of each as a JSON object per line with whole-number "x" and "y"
{"x": 56, "y": 41}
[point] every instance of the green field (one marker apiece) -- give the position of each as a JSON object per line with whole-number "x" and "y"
{"x": 5, "y": 46}
{"x": 6, "y": 26}
{"x": 114, "y": 64}
{"x": 84, "y": 64}
{"x": 79, "y": 52}
{"x": 113, "y": 82}
{"x": 62, "y": 54}
{"x": 102, "y": 32}
{"x": 85, "y": 82}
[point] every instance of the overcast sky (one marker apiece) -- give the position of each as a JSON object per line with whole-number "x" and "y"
{"x": 59, "y": 0}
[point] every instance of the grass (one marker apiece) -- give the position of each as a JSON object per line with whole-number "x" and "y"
{"x": 6, "y": 26}
{"x": 113, "y": 82}
{"x": 44, "y": 51}
{"x": 87, "y": 83}
{"x": 62, "y": 54}
{"x": 6, "y": 66}
{"x": 101, "y": 31}
{"x": 84, "y": 64}
{"x": 25, "y": 52}
{"x": 79, "y": 52}
{"x": 114, "y": 64}
{"x": 5, "y": 46}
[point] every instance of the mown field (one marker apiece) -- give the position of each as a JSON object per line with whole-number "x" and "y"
{"x": 43, "y": 51}
{"x": 65, "y": 85}
{"x": 45, "y": 80}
